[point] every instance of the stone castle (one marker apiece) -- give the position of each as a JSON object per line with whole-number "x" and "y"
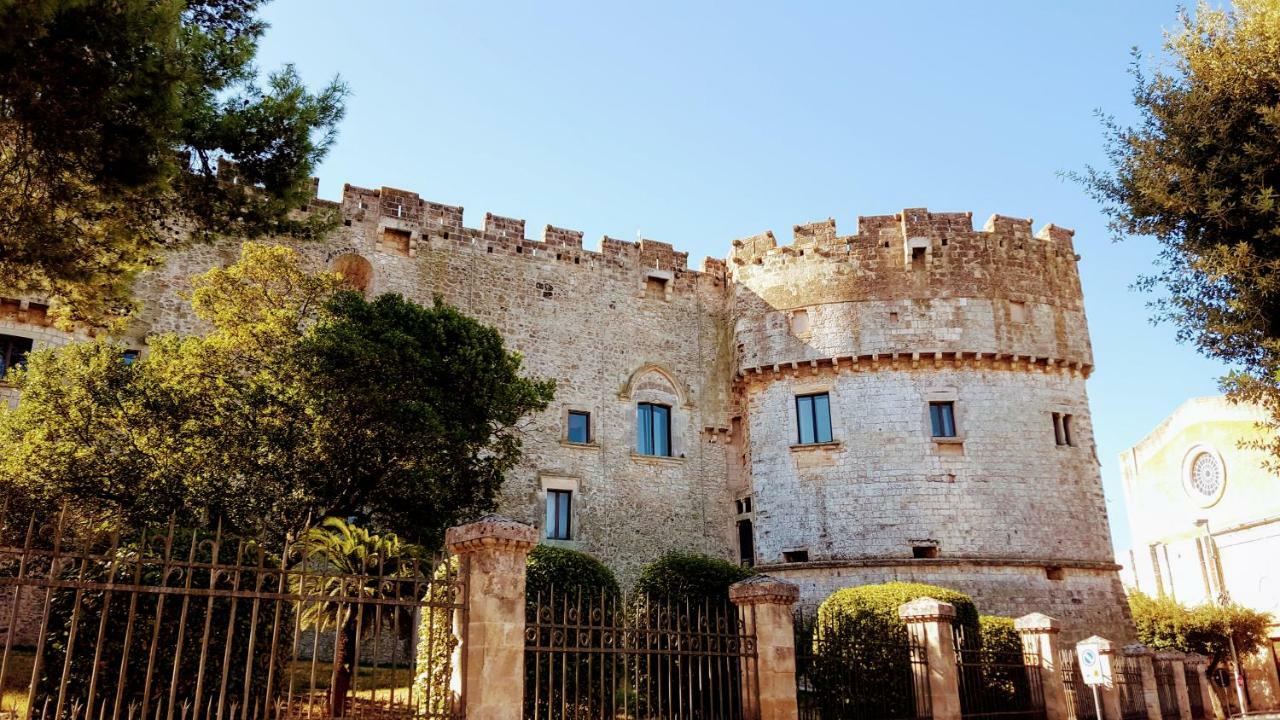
{"x": 904, "y": 403}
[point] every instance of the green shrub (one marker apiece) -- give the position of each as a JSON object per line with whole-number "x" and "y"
{"x": 566, "y": 573}
{"x": 857, "y": 638}
{"x": 1164, "y": 624}
{"x": 998, "y": 635}
{"x": 871, "y": 611}
{"x": 689, "y": 577}
{"x": 999, "y": 666}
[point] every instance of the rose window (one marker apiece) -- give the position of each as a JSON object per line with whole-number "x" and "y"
{"x": 1206, "y": 474}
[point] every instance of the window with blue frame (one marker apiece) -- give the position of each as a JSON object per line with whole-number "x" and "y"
{"x": 559, "y": 514}
{"x": 942, "y": 416}
{"x": 579, "y": 427}
{"x": 653, "y": 429}
{"x": 813, "y": 418}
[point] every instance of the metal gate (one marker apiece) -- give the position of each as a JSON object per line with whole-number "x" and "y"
{"x": 1166, "y": 689}
{"x": 1079, "y": 697}
{"x": 1128, "y": 679}
{"x": 192, "y": 624}
{"x": 600, "y": 655}
{"x": 845, "y": 674}
{"x": 997, "y": 684}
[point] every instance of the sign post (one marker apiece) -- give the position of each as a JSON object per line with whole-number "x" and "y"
{"x": 1094, "y": 669}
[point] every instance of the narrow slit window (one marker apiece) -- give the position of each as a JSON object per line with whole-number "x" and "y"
{"x": 579, "y": 431}
{"x": 653, "y": 429}
{"x": 942, "y": 417}
{"x": 813, "y": 418}
{"x": 559, "y": 514}
{"x": 1057, "y": 429}
{"x": 1066, "y": 430}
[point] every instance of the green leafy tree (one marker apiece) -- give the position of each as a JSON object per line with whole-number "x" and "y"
{"x": 301, "y": 401}
{"x": 1199, "y": 173}
{"x": 120, "y": 118}
{"x": 353, "y": 569}
{"x": 1165, "y": 624}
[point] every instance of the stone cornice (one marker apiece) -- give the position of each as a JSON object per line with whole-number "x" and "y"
{"x": 928, "y": 359}
{"x": 763, "y": 590}
{"x": 953, "y": 561}
{"x": 491, "y": 531}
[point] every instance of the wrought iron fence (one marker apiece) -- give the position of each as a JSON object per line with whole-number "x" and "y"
{"x": 1166, "y": 689}
{"x": 995, "y": 684}
{"x": 1127, "y": 676}
{"x": 600, "y": 655}
{"x": 192, "y": 624}
{"x": 843, "y": 674}
{"x": 1195, "y": 693}
{"x": 1080, "y": 704}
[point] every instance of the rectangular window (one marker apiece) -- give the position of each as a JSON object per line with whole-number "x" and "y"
{"x": 813, "y": 418}
{"x": 13, "y": 351}
{"x": 653, "y": 429}
{"x": 942, "y": 416}
{"x": 579, "y": 427}
{"x": 559, "y": 514}
{"x": 1062, "y": 429}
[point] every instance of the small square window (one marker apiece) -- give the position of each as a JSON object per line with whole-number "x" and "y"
{"x": 924, "y": 552}
{"x": 1017, "y": 311}
{"x": 579, "y": 430}
{"x": 129, "y": 357}
{"x": 942, "y": 418}
{"x": 395, "y": 241}
{"x": 655, "y": 288}
{"x": 795, "y": 556}
{"x": 559, "y": 514}
{"x": 813, "y": 418}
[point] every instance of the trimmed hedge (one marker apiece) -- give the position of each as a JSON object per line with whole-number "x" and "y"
{"x": 566, "y": 572}
{"x": 691, "y": 577}
{"x": 871, "y": 611}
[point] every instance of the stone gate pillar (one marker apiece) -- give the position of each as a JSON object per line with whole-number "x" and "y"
{"x": 489, "y": 665}
{"x": 1040, "y": 640}
{"x": 930, "y": 620}
{"x": 1109, "y": 694}
{"x": 765, "y": 604}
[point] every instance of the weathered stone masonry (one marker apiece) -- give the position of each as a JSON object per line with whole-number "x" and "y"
{"x": 914, "y": 307}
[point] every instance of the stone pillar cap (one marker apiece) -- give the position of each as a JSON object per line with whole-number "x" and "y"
{"x": 1037, "y": 623}
{"x": 1136, "y": 649}
{"x": 1171, "y": 655}
{"x": 490, "y": 531}
{"x": 1195, "y": 659}
{"x": 763, "y": 590}
{"x": 1104, "y": 645}
{"x": 925, "y": 609}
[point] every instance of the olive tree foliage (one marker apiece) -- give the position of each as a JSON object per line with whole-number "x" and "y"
{"x": 1200, "y": 174}
{"x": 301, "y": 400}
{"x": 1165, "y": 624}
{"x": 115, "y": 118}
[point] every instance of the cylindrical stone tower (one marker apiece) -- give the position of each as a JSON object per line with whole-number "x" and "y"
{"x": 914, "y": 408}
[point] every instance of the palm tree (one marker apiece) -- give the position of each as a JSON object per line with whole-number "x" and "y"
{"x": 345, "y": 567}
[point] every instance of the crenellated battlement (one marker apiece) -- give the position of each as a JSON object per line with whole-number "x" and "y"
{"x": 901, "y": 232}
{"x": 404, "y": 211}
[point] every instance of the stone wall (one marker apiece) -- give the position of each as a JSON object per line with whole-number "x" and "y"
{"x": 914, "y": 306}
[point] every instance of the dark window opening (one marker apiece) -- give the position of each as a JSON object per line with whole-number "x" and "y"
{"x": 813, "y": 418}
{"x": 395, "y": 241}
{"x": 746, "y": 544}
{"x": 129, "y": 357}
{"x": 653, "y": 429}
{"x": 917, "y": 257}
{"x": 795, "y": 556}
{"x": 655, "y": 288}
{"x": 559, "y": 513}
{"x": 13, "y": 351}
{"x": 1066, "y": 430}
{"x": 579, "y": 427}
{"x": 942, "y": 418}
{"x": 924, "y": 551}
{"x": 1053, "y": 573}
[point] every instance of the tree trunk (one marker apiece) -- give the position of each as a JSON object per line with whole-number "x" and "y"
{"x": 344, "y": 657}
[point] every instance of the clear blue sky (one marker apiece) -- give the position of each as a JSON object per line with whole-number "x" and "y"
{"x": 699, "y": 123}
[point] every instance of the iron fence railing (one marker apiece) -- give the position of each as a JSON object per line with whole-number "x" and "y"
{"x": 1080, "y": 704}
{"x": 601, "y": 655}
{"x": 1195, "y": 693}
{"x": 1127, "y": 676}
{"x": 997, "y": 684}
{"x": 190, "y": 624}
{"x": 1166, "y": 689}
{"x": 844, "y": 674}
